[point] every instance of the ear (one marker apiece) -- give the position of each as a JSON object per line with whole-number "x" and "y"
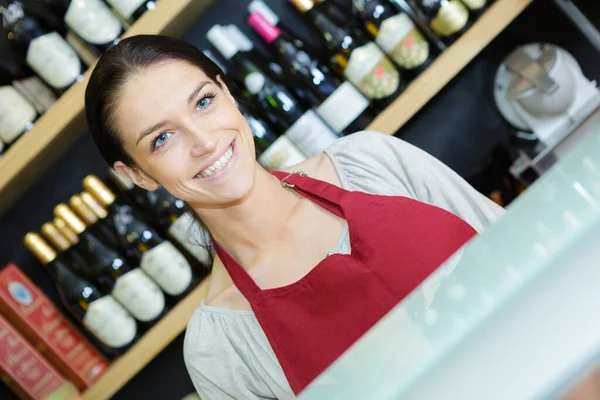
{"x": 226, "y": 89}
{"x": 136, "y": 176}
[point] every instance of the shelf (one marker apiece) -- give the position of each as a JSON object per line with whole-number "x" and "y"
{"x": 56, "y": 130}
{"x": 148, "y": 347}
{"x": 448, "y": 65}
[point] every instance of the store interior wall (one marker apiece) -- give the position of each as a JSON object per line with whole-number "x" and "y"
{"x": 460, "y": 126}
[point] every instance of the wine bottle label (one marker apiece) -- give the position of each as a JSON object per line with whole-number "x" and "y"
{"x": 93, "y": 21}
{"x": 168, "y": 267}
{"x": 126, "y": 8}
{"x": 310, "y": 134}
{"x": 474, "y": 4}
{"x": 182, "y": 231}
{"x": 36, "y": 92}
{"x": 342, "y": 106}
{"x": 282, "y": 153}
{"x": 139, "y": 295}
{"x": 16, "y": 114}
{"x": 51, "y": 57}
{"x": 401, "y": 40}
{"x": 372, "y": 72}
{"x": 451, "y": 18}
{"x": 109, "y": 322}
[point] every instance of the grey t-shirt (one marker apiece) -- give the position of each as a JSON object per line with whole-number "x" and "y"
{"x": 226, "y": 352}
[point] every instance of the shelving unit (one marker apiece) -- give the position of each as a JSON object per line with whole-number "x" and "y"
{"x": 448, "y": 65}
{"x": 149, "y": 346}
{"x": 56, "y": 130}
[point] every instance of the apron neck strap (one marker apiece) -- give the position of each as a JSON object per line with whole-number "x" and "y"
{"x": 241, "y": 278}
{"x": 322, "y": 193}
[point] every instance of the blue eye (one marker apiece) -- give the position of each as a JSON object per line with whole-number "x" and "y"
{"x": 161, "y": 140}
{"x": 205, "y": 102}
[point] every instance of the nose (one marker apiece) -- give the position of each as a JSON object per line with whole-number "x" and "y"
{"x": 202, "y": 141}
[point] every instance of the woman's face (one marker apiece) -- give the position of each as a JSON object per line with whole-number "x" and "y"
{"x": 185, "y": 133}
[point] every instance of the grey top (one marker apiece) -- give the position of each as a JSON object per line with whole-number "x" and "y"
{"x": 226, "y": 352}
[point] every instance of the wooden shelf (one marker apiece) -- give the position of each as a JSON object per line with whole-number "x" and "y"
{"x": 148, "y": 347}
{"x": 448, "y": 65}
{"x": 56, "y": 130}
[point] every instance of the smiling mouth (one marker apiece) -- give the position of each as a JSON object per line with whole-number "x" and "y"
{"x": 218, "y": 165}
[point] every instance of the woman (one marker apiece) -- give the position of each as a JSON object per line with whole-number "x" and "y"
{"x": 306, "y": 262}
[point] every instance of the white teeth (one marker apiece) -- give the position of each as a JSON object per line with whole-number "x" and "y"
{"x": 218, "y": 165}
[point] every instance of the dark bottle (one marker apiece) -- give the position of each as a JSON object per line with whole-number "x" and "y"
{"x": 302, "y": 126}
{"x": 100, "y": 314}
{"x": 355, "y": 57}
{"x": 272, "y": 151}
{"x": 46, "y": 52}
{"x": 329, "y": 94}
{"x": 91, "y": 20}
{"x": 160, "y": 258}
{"x": 447, "y": 18}
{"x": 16, "y": 113}
{"x": 172, "y": 219}
{"x": 131, "y": 10}
{"x": 62, "y": 239}
{"x": 129, "y": 286}
{"x": 396, "y": 34}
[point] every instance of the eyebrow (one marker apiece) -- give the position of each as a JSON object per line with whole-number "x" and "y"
{"x": 158, "y": 125}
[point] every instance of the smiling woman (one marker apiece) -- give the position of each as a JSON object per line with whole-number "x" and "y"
{"x": 306, "y": 261}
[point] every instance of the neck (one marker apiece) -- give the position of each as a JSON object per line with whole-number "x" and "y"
{"x": 250, "y": 228}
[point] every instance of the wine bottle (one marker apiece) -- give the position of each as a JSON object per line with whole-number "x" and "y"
{"x": 330, "y": 93}
{"x": 30, "y": 86}
{"x": 46, "y": 52}
{"x": 100, "y": 314}
{"x": 129, "y": 286}
{"x": 131, "y": 10}
{"x": 476, "y": 7}
{"x": 272, "y": 151}
{"x": 16, "y": 113}
{"x": 447, "y": 18}
{"x": 395, "y": 33}
{"x": 303, "y": 127}
{"x": 355, "y": 57}
{"x": 160, "y": 260}
{"x": 170, "y": 216}
{"x": 63, "y": 243}
{"x": 91, "y": 20}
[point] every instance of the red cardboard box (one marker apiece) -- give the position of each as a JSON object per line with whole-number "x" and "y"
{"x": 38, "y": 320}
{"x": 27, "y": 372}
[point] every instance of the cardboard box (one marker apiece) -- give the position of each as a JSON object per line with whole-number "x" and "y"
{"x": 27, "y": 372}
{"x": 38, "y": 320}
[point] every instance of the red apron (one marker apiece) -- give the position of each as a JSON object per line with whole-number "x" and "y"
{"x": 396, "y": 242}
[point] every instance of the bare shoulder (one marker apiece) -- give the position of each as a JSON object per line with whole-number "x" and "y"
{"x": 318, "y": 167}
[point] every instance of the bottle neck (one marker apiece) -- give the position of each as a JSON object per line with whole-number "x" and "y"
{"x": 334, "y": 36}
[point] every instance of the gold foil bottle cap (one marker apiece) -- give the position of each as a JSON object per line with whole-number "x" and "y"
{"x": 66, "y": 231}
{"x": 303, "y": 5}
{"x": 53, "y": 235}
{"x": 82, "y": 210}
{"x": 67, "y": 215}
{"x": 39, "y": 248}
{"x": 99, "y": 190}
{"x": 91, "y": 202}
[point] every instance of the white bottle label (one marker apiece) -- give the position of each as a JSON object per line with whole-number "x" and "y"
{"x": 451, "y": 18}
{"x": 126, "y": 8}
{"x": 93, "y": 21}
{"x": 401, "y": 40}
{"x": 186, "y": 235}
{"x": 474, "y": 4}
{"x": 51, "y": 57}
{"x": 168, "y": 267}
{"x": 310, "y": 134}
{"x": 282, "y": 153}
{"x": 342, "y": 106}
{"x": 16, "y": 114}
{"x": 36, "y": 92}
{"x": 139, "y": 295}
{"x": 109, "y": 322}
{"x": 372, "y": 72}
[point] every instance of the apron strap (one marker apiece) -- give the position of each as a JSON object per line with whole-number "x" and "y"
{"x": 322, "y": 193}
{"x": 241, "y": 278}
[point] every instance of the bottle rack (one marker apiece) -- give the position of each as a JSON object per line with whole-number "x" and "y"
{"x": 56, "y": 130}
